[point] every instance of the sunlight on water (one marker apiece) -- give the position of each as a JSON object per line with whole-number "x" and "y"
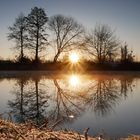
{"x": 74, "y": 80}
{"x": 71, "y": 116}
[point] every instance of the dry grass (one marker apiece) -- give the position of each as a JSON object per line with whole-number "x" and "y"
{"x": 11, "y": 131}
{"x": 132, "y": 137}
{"x": 28, "y": 131}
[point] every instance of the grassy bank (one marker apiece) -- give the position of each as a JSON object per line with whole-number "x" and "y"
{"x": 27, "y": 131}
{"x": 11, "y": 131}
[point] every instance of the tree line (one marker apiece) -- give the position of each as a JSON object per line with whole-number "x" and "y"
{"x": 37, "y": 33}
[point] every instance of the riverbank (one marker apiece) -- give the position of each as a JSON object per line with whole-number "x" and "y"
{"x": 27, "y": 131}
{"x": 12, "y": 131}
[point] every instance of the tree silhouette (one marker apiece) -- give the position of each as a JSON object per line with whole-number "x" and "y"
{"x": 19, "y": 34}
{"x": 66, "y": 32}
{"x": 36, "y": 25}
{"x": 126, "y": 55}
{"x": 102, "y": 44}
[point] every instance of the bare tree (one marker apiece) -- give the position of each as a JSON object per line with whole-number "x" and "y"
{"x": 126, "y": 55}
{"x": 102, "y": 43}
{"x": 36, "y": 23}
{"x": 18, "y": 33}
{"x": 66, "y": 32}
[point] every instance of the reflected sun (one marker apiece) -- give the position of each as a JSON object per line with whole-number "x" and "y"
{"x": 74, "y": 80}
{"x": 74, "y": 58}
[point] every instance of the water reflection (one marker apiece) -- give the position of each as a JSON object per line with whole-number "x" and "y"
{"x": 126, "y": 85}
{"x": 74, "y": 80}
{"x": 103, "y": 96}
{"x": 41, "y": 99}
{"x": 30, "y": 101}
{"x": 66, "y": 104}
{"x": 18, "y": 104}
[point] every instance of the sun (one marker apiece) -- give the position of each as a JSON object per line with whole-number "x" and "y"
{"x": 74, "y": 58}
{"x": 74, "y": 80}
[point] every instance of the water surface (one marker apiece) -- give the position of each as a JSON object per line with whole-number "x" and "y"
{"x": 107, "y": 103}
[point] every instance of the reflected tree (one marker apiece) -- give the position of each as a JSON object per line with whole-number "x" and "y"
{"x": 19, "y": 104}
{"x": 33, "y": 101}
{"x": 126, "y": 85}
{"x": 37, "y": 102}
{"x": 103, "y": 94}
{"x": 105, "y": 97}
{"x": 30, "y": 102}
{"x": 66, "y": 104}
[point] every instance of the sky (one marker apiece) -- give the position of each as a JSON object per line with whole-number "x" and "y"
{"x": 122, "y": 15}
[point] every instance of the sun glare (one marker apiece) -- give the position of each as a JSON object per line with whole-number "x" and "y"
{"x": 74, "y": 58}
{"x": 74, "y": 80}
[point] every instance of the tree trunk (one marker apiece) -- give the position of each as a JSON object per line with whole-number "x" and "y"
{"x": 36, "y": 51}
{"x": 21, "y": 35}
{"x": 56, "y": 56}
{"x": 37, "y": 42}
